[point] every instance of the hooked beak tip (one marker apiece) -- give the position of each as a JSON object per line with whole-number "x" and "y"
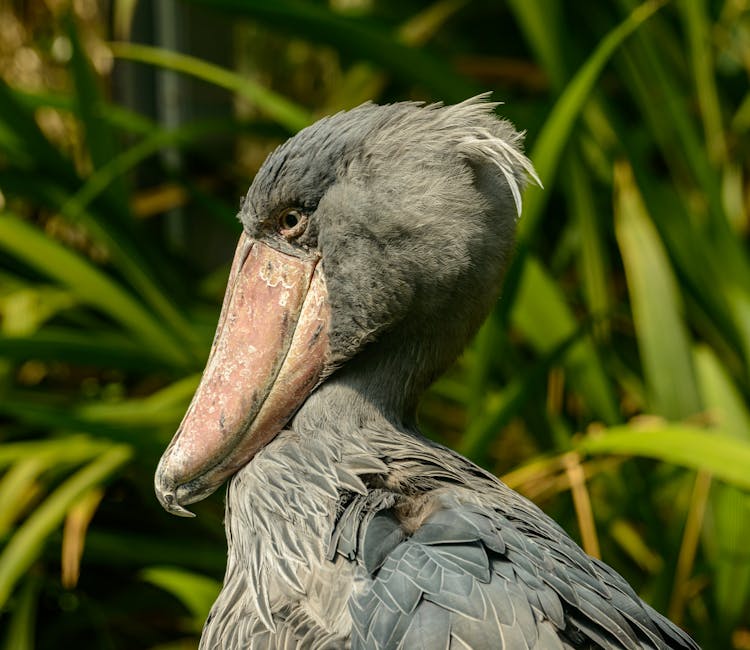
{"x": 168, "y": 499}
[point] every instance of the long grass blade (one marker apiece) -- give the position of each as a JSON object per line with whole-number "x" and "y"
{"x": 278, "y": 108}
{"x": 543, "y": 315}
{"x": 358, "y": 37}
{"x": 728, "y": 526}
{"x": 550, "y": 144}
{"x": 365, "y": 81}
{"x": 698, "y": 29}
{"x": 196, "y": 592}
{"x": 88, "y": 283}
{"x": 25, "y": 545}
{"x": 21, "y": 630}
{"x": 701, "y": 449}
{"x": 100, "y": 140}
{"x": 663, "y": 339}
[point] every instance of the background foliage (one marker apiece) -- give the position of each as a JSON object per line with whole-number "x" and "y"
{"x": 610, "y": 384}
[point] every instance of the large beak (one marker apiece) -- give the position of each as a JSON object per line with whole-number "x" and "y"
{"x": 268, "y": 355}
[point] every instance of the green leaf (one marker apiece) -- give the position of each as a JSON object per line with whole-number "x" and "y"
{"x": 593, "y": 266}
{"x": 360, "y": 38}
{"x": 24, "y": 547}
{"x": 364, "y": 81}
{"x": 541, "y": 313}
{"x": 24, "y": 143}
{"x": 70, "y": 449}
{"x": 126, "y": 257}
{"x": 698, "y": 29}
{"x": 196, "y": 592}
{"x": 114, "y": 115}
{"x": 655, "y": 86}
{"x": 100, "y": 140}
{"x": 663, "y": 340}
{"x": 278, "y": 108}
{"x": 88, "y": 283}
{"x": 501, "y": 408}
{"x": 106, "y": 349}
{"x": 23, "y": 311}
{"x": 700, "y": 449}
{"x": 540, "y": 21}
{"x": 550, "y": 144}
{"x": 20, "y": 631}
{"x": 728, "y": 525}
{"x": 16, "y": 486}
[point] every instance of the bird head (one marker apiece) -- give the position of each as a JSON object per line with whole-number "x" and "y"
{"x": 377, "y": 234}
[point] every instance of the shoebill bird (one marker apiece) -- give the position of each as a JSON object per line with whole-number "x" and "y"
{"x": 374, "y": 245}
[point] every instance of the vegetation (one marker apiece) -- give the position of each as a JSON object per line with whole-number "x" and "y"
{"x": 610, "y": 384}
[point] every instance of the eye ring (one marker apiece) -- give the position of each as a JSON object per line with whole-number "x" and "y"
{"x": 292, "y": 223}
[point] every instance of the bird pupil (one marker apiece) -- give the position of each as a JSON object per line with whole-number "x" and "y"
{"x": 291, "y": 220}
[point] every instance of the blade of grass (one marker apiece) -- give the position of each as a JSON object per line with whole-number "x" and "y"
{"x": 100, "y": 140}
{"x": 126, "y": 258}
{"x": 21, "y": 630}
{"x": 699, "y": 449}
{"x": 119, "y": 420}
{"x": 71, "y": 449}
{"x": 107, "y": 349}
{"x": 541, "y": 313}
{"x": 77, "y": 521}
{"x": 663, "y": 340}
{"x": 539, "y": 21}
{"x": 88, "y": 283}
{"x": 196, "y": 592}
{"x": 549, "y": 145}
{"x": 593, "y": 257}
{"x": 728, "y": 527}
{"x": 276, "y": 106}
{"x": 17, "y": 488}
{"x": 24, "y": 142}
{"x": 689, "y": 545}
{"x": 114, "y": 115}
{"x": 582, "y": 504}
{"x": 26, "y": 544}
{"x": 697, "y": 26}
{"x": 364, "y": 81}
{"x": 359, "y": 37}
{"x": 501, "y": 408}
{"x": 657, "y": 91}
{"x": 105, "y": 548}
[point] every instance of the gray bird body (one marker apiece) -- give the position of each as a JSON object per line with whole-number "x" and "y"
{"x": 346, "y": 528}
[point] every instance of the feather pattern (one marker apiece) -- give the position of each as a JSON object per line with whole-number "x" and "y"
{"x": 457, "y": 560}
{"x": 349, "y": 529}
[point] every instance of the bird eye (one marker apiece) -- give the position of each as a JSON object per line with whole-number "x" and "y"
{"x": 292, "y": 223}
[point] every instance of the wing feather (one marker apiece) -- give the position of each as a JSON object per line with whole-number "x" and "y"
{"x": 476, "y": 577}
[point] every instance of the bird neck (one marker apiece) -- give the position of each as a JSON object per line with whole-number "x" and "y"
{"x": 378, "y": 388}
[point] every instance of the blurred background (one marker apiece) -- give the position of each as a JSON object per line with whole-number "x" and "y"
{"x": 610, "y": 385}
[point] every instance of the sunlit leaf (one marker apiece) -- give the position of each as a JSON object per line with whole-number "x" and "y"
{"x": 728, "y": 527}
{"x": 725, "y": 457}
{"x": 196, "y": 592}
{"x": 357, "y": 37}
{"x": 549, "y": 145}
{"x": 542, "y": 314}
{"x": 663, "y": 339}
{"x": 26, "y": 543}
{"x": 87, "y": 282}
{"x": 275, "y": 106}
{"x": 20, "y": 633}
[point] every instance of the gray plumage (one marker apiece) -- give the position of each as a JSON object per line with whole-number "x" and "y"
{"x": 349, "y": 529}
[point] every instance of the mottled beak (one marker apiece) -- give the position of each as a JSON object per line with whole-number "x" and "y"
{"x": 268, "y": 354}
